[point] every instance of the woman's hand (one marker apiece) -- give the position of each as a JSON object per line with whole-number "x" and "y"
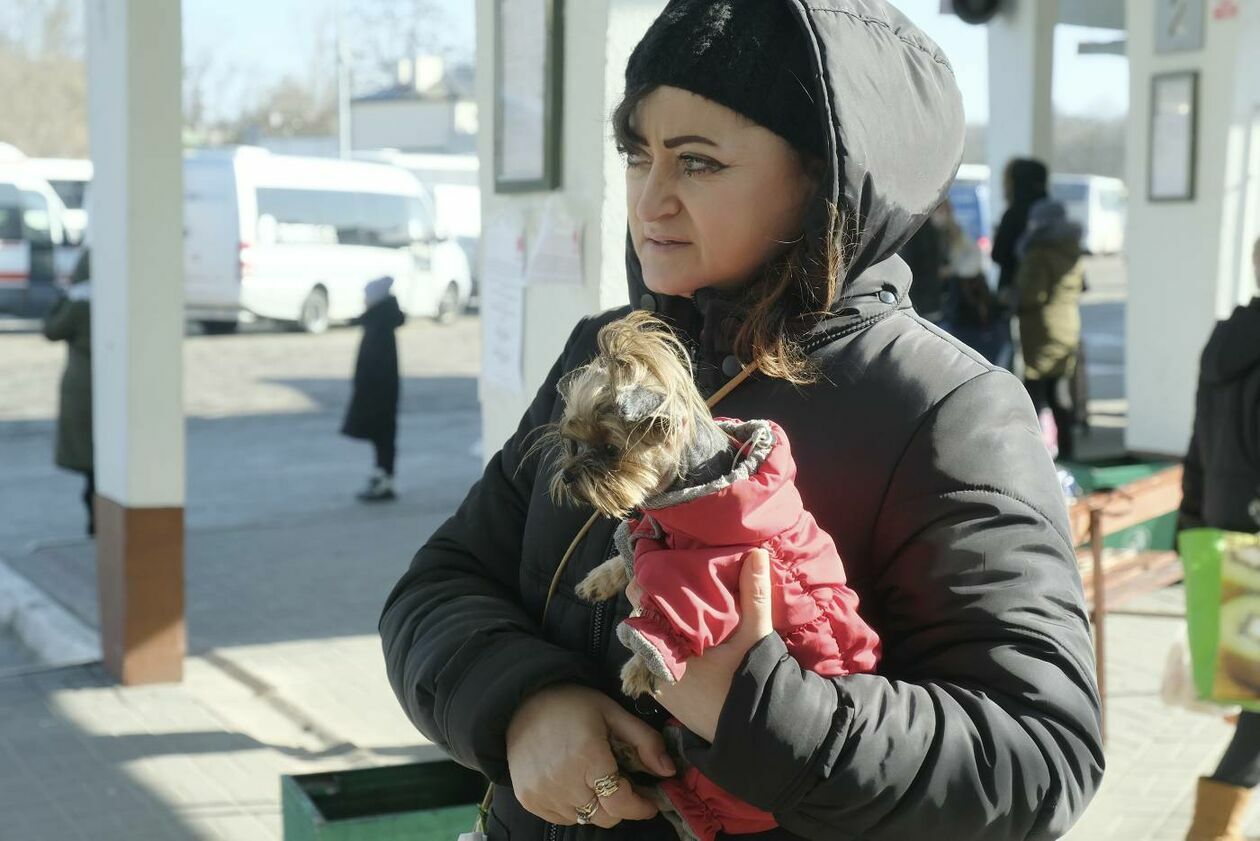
{"x": 697, "y": 699}
{"x": 558, "y": 746}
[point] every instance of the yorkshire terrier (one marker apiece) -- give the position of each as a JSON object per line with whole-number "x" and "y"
{"x": 634, "y": 427}
{"x": 694, "y": 495}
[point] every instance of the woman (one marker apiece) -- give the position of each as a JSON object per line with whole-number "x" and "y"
{"x": 71, "y": 322}
{"x": 1025, "y": 182}
{"x": 373, "y": 412}
{"x": 746, "y": 126}
{"x": 1049, "y": 283}
{"x": 1221, "y": 489}
{"x": 972, "y": 314}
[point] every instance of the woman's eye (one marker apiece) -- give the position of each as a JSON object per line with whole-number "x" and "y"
{"x": 693, "y": 165}
{"x": 634, "y": 158}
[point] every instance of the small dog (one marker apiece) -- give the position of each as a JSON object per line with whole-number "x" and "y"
{"x": 695, "y": 495}
{"x": 634, "y": 426}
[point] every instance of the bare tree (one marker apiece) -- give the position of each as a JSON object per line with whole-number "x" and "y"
{"x": 44, "y": 95}
{"x": 384, "y": 32}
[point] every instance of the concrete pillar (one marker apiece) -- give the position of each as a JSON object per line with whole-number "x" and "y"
{"x": 1188, "y": 261}
{"x": 1021, "y": 73}
{"x": 599, "y": 36}
{"x": 134, "y": 73}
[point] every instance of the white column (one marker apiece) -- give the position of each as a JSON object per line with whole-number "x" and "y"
{"x": 1021, "y": 73}
{"x": 599, "y": 36}
{"x": 134, "y": 74}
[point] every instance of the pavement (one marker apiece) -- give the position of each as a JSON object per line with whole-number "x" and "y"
{"x": 286, "y": 575}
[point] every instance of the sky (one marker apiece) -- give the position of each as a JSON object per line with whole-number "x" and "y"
{"x": 265, "y": 39}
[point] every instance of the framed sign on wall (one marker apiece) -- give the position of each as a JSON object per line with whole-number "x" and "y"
{"x": 1179, "y": 25}
{"x": 528, "y": 80}
{"x": 1174, "y": 141}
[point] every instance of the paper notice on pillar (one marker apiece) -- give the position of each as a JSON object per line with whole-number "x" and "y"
{"x": 503, "y": 305}
{"x": 557, "y": 253}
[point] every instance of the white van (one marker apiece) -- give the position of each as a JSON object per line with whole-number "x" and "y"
{"x": 1099, "y": 205}
{"x": 454, "y": 181}
{"x": 297, "y": 239}
{"x": 70, "y": 177}
{"x": 35, "y": 258}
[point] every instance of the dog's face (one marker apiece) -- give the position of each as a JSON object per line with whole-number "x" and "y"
{"x": 616, "y": 445}
{"x": 628, "y": 419}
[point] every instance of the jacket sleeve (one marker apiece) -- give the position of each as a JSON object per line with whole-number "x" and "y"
{"x": 460, "y": 650}
{"x": 983, "y": 722}
{"x": 1190, "y": 515}
{"x": 1033, "y": 281}
{"x": 59, "y": 325}
{"x": 689, "y": 605}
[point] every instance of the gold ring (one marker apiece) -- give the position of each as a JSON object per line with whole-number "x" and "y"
{"x": 585, "y": 813}
{"x": 606, "y": 786}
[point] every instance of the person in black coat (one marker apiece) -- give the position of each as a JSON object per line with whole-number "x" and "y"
{"x": 753, "y": 132}
{"x": 1221, "y": 489}
{"x": 373, "y": 412}
{"x": 1026, "y": 181}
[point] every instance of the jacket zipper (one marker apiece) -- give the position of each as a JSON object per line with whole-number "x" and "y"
{"x": 596, "y": 649}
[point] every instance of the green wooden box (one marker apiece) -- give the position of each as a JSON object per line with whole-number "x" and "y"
{"x": 1108, "y": 474}
{"x": 425, "y": 801}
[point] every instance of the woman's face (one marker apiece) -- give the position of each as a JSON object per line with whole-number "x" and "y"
{"x": 711, "y": 196}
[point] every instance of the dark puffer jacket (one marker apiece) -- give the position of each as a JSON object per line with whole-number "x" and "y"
{"x": 1222, "y": 476}
{"x": 921, "y": 460}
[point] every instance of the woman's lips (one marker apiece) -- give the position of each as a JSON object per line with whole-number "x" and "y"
{"x": 664, "y": 245}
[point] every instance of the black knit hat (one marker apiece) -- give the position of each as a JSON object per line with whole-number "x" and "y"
{"x": 749, "y": 55}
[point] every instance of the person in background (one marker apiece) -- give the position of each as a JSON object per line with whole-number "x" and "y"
{"x": 971, "y": 312}
{"x": 71, "y": 322}
{"x": 1049, "y": 283}
{"x": 926, "y": 253}
{"x": 373, "y": 412}
{"x": 1025, "y": 182}
{"x": 1221, "y": 489}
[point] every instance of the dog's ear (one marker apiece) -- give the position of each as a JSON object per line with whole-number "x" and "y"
{"x": 637, "y": 402}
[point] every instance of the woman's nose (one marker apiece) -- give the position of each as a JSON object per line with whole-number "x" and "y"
{"x": 657, "y": 198}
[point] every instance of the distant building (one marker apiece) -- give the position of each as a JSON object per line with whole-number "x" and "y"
{"x": 430, "y": 108}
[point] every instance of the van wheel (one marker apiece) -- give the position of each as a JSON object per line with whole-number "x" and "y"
{"x": 448, "y": 307}
{"x": 314, "y": 316}
{"x": 220, "y": 328}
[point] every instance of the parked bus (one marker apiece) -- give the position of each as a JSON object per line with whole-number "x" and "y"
{"x": 297, "y": 239}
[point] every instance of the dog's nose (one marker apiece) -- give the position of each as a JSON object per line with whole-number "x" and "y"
{"x": 569, "y": 475}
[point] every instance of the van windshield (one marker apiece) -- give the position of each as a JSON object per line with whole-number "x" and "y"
{"x": 70, "y": 192}
{"x": 330, "y": 217}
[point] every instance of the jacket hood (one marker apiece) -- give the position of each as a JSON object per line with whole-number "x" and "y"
{"x": 1048, "y": 224}
{"x": 1234, "y": 349}
{"x": 1029, "y": 180}
{"x": 893, "y": 120}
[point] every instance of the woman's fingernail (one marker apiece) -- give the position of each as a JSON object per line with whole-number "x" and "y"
{"x": 668, "y": 765}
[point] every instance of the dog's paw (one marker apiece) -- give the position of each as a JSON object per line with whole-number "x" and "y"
{"x": 636, "y": 678}
{"x": 604, "y": 582}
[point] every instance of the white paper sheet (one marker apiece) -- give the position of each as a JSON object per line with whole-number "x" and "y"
{"x": 503, "y": 305}
{"x": 556, "y": 256}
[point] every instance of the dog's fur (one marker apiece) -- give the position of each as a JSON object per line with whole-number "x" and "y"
{"x": 634, "y": 426}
